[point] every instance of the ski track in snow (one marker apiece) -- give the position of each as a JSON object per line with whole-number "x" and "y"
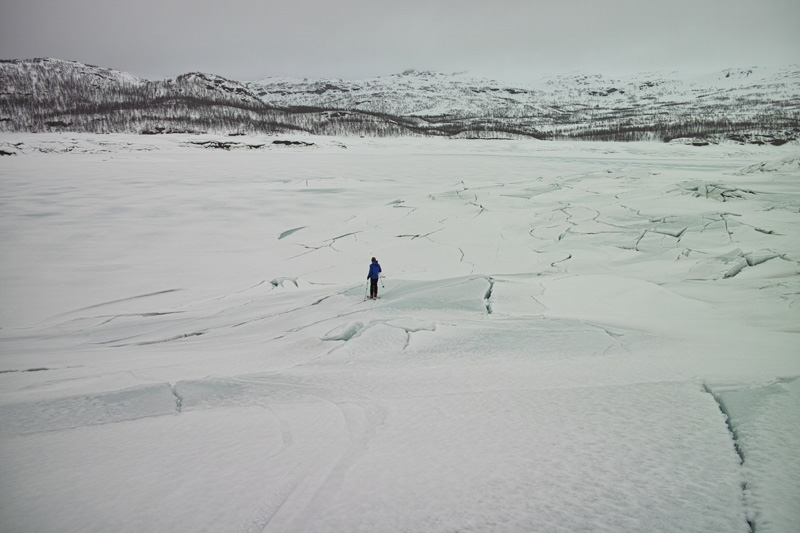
{"x": 598, "y": 337}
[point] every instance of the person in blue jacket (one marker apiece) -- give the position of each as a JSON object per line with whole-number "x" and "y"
{"x": 374, "y": 274}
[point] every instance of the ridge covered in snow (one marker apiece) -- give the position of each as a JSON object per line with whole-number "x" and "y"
{"x": 743, "y": 105}
{"x": 566, "y": 104}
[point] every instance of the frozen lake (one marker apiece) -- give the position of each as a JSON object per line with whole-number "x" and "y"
{"x": 569, "y": 336}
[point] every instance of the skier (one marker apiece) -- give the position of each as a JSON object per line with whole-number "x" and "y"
{"x": 374, "y": 274}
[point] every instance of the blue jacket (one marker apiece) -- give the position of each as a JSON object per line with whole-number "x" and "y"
{"x": 374, "y": 270}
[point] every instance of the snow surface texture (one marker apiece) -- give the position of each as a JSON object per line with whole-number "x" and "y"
{"x": 571, "y": 337}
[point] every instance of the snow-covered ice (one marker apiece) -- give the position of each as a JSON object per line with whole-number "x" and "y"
{"x": 569, "y": 336}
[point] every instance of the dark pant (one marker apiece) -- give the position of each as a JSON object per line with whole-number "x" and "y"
{"x": 373, "y": 287}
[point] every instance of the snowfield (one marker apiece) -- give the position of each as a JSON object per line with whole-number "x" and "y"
{"x": 569, "y": 336}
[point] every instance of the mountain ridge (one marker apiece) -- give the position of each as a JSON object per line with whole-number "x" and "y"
{"x": 557, "y": 105}
{"x": 760, "y": 104}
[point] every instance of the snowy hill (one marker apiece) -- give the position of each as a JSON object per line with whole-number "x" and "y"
{"x": 43, "y": 69}
{"x": 409, "y": 93}
{"x": 744, "y": 105}
{"x": 654, "y": 104}
{"x": 42, "y": 95}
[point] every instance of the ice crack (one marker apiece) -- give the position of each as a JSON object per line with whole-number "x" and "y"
{"x": 140, "y": 296}
{"x": 488, "y": 296}
{"x": 736, "y": 446}
{"x": 289, "y": 232}
{"x": 178, "y": 398}
{"x": 728, "y": 422}
{"x": 42, "y": 369}
{"x": 418, "y": 235}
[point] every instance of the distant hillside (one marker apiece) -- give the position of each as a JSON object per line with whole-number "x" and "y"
{"x": 742, "y": 103}
{"x": 750, "y": 105}
{"x": 53, "y": 95}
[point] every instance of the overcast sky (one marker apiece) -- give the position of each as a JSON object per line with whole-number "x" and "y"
{"x": 514, "y": 40}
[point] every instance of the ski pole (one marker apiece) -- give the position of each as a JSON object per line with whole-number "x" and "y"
{"x": 366, "y": 290}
